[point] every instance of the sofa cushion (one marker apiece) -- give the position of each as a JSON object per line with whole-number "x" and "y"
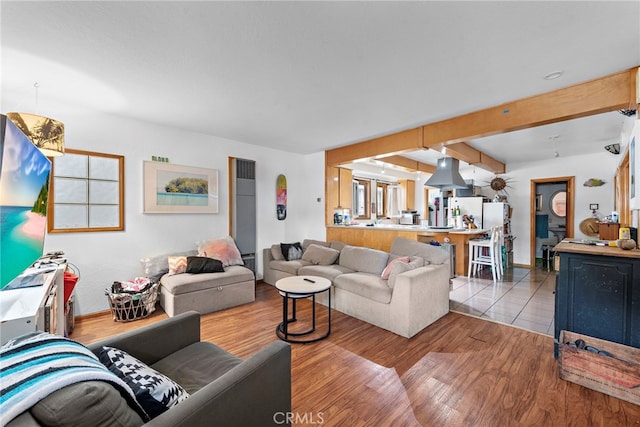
{"x": 185, "y": 283}
{"x": 290, "y": 267}
{"x": 363, "y": 259}
{"x": 155, "y": 392}
{"x": 196, "y": 365}
{"x": 366, "y": 285}
{"x": 291, "y": 251}
{"x": 320, "y": 255}
{"x": 387, "y": 270}
{"x": 408, "y": 247}
{"x": 308, "y": 242}
{"x": 200, "y": 265}
{"x": 327, "y": 271}
{"x": 223, "y": 248}
{"x": 276, "y": 252}
{"x": 94, "y": 403}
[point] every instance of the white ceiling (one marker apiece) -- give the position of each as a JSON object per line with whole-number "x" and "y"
{"x": 309, "y": 76}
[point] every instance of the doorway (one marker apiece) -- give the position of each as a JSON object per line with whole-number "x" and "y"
{"x": 551, "y": 212}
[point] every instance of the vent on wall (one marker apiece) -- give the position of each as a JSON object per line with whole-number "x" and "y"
{"x": 243, "y": 211}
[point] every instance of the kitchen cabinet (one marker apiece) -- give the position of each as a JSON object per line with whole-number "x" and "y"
{"x": 339, "y": 193}
{"x": 409, "y": 188}
{"x": 598, "y": 293}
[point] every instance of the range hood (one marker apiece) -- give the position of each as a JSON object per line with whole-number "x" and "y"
{"x": 446, "y": 175}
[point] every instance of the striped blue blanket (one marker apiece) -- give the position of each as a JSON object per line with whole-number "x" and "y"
{"x": 37, "y": 364}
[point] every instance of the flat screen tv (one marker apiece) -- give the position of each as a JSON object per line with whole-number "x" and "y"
{"x": 24, "y": 190}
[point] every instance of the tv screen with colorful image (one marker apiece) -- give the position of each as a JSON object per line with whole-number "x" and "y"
{"x": 24, "y": 190}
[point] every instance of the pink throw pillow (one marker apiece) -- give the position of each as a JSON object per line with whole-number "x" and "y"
{"x": 223, "y": 249}
{"x": 387, "y": 270}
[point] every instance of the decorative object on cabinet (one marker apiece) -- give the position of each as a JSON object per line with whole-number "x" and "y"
{"x": 170, "y": 188}
{"x": 589, "y": 227}
{"x": 608, "y": 230}
{"x": 87, "y": 192}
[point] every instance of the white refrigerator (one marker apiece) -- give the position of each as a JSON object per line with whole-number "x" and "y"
{"x": 497, "y": 214}
{"x": 468, "y": 206}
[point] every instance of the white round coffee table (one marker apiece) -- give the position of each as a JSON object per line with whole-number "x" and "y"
{"x": 294, "y": 288}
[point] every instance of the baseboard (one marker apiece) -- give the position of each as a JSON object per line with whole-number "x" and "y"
{"x": 92, "y": 315}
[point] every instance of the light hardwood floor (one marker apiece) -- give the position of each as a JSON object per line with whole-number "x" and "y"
{"x": 460, "y": 371}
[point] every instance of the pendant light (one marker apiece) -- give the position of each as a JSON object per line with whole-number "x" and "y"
{"x": 45, "y": 133}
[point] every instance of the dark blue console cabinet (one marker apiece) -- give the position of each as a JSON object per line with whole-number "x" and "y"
{"x": 598, "y": 293}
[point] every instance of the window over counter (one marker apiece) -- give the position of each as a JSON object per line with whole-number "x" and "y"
{"x": 361, "y": 195}
{"x": 87, "y": 192}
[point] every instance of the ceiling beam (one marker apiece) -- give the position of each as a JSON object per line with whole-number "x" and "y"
{"x": 405, "y": 141}
{"x": 466, "y": 153}
{"x": 605, "y": 94}
{"x": 407, "y": 163}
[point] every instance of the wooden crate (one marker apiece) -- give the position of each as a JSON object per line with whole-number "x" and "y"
{"x": 617, "y": 376}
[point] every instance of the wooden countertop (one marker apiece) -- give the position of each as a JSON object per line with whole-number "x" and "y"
{"x": 433, "y": 232}
{"x": 590, "y": 249}
{"x": 416, "y": 228}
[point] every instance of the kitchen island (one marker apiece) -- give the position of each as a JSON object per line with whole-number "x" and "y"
{"x": 381, "y": 237}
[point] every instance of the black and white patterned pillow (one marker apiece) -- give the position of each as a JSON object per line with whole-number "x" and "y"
{"x": 291, "y": 251}
{"x": 154, "y": 392}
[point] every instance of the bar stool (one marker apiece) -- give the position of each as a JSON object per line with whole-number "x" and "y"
{"x": 487, "y": 252}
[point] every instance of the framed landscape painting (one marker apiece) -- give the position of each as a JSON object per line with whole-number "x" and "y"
{"x": 170, "y": 188}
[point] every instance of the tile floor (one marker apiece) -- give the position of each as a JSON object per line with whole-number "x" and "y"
{"x": 523, "y": 298}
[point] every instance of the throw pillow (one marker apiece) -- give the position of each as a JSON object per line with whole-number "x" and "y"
{"x": 397, "y": 269}
{"x": 320, "y": 255}
{"x": 177, "y": 265}
{"x": 291, "y": 251}
{"x": 154, "y": 392}
{"x": 224, "y": 249}
{"x": 198, "y": 265}
{"x": 387, "y": 270}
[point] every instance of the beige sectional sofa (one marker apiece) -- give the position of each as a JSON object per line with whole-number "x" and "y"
{"x": 403, "y": 291}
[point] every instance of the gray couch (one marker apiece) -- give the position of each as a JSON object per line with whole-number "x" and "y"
{"x": 224, "y": 390}
{"x": 414, "y": 295}
{"x": 204, "y": 293}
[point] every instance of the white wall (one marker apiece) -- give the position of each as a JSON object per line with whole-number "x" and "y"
{"x": 583, "y": 167}
{"x": 103, "y": 257}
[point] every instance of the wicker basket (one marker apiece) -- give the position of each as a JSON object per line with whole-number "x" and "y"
{"x": 126, "y": 307}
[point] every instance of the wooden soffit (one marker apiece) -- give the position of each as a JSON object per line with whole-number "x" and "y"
{"x": 609, "y": 93}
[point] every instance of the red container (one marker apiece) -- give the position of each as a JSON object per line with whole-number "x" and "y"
{"x": 70, "y": 281}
